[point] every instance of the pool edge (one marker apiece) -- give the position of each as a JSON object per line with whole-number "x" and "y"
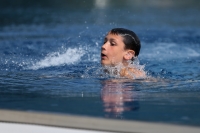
{"x": 91, "y": 123}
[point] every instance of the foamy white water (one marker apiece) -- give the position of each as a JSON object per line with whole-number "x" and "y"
{"x": 70, "y": 56}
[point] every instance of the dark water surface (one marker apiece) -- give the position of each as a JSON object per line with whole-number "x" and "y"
{"x": 50, "y": 53}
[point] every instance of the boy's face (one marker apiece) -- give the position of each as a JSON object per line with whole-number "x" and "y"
{"x": 112, "y": 51}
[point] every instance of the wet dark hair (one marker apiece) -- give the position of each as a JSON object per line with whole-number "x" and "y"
{"x": 130, "y": 39}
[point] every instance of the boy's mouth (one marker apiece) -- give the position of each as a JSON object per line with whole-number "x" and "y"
{"x": 103, "y": 55}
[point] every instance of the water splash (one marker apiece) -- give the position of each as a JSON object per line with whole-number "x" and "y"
{"x": 69, "y": 56}
{"x": 114, "y": 71}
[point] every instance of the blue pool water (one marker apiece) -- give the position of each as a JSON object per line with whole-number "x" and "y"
{"x": 50, "y": 53}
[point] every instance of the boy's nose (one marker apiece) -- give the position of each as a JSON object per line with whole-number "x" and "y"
{"x": 103, "y": 47}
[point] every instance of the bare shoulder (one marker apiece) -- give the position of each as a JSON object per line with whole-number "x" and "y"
{"x": 133, "y": 73}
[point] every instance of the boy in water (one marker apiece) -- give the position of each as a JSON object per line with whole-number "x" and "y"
{"x": 120, "y": 48}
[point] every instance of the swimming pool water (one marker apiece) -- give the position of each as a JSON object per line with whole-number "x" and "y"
{"x": 50, "y": 53}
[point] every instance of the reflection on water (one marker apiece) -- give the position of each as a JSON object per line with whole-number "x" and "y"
{"x": 118, "y": 97}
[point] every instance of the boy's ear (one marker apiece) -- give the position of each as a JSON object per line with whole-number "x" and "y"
{"x": 129, "y": 54}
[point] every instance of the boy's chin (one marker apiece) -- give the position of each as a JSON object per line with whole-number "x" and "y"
{"x": 107, "y": 64}
{"x": 103, "y": 64}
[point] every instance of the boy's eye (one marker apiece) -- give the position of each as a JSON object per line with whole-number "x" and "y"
{"x": 112, "y": 43}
